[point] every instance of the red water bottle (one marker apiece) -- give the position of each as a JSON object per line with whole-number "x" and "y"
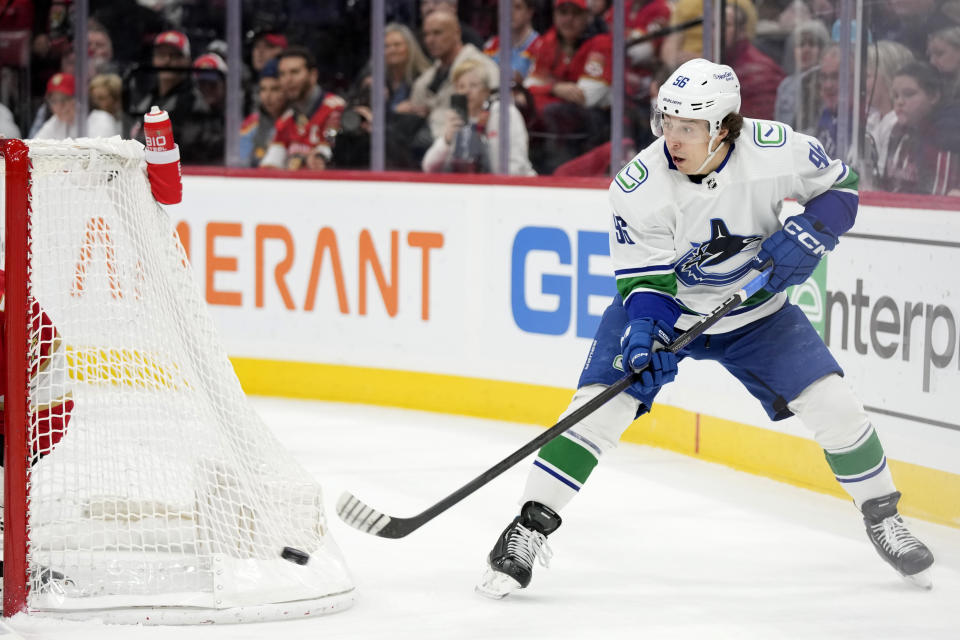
{"x": 163, "y": 157}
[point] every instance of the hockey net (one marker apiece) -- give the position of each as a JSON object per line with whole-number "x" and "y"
{"x": 139, "y": 484}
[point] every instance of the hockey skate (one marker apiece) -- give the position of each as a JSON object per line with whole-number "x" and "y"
{"x": 522, "y": 543}
{"x": 894, "y": 542}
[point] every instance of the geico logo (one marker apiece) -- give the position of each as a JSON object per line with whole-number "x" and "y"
{"x": 892, "y": 327}
{"x": 547, "y": 287}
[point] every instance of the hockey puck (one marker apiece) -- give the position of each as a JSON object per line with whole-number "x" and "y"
{"x": 295, "y": 555}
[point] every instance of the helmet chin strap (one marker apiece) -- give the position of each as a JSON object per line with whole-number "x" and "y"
{"x": 710, "y": 155}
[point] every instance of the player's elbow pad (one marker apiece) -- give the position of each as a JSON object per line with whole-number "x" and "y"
{"x": 836, "y": 210}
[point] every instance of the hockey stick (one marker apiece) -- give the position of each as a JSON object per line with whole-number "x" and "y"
{"x": 360, "y": 516}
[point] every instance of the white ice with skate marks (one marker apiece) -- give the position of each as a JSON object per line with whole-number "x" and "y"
{"x": 658, "y": 546}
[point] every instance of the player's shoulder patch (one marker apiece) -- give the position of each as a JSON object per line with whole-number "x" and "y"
{"x": 768, "y": 134}
{"x": 634, "y": 174}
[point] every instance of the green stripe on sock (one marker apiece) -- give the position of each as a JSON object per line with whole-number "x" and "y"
{"x": 569, "y": 457}
{"x": 859, "y": 460}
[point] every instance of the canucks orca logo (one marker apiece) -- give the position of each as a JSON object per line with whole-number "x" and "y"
{"x": 692, "y": 270}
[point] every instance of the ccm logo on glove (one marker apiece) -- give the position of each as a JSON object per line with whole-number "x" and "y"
{"x": 804, "y": 238}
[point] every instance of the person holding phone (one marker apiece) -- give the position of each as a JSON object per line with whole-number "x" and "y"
{"x": 470, "y": 140}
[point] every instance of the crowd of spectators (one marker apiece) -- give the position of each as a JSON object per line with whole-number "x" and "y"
{"x": 307, "y": 79}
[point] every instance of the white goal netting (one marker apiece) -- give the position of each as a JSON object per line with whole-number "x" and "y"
{"x": 155, "y": 485}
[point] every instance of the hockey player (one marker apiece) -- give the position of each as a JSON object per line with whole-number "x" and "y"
{"x": 50, "y": 415}
{"x": 693, "y": 215}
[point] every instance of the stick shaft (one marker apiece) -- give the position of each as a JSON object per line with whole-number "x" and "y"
{"x": 399, "y": 527}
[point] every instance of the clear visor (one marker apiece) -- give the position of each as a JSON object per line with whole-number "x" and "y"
{"x": 679, "y": 129}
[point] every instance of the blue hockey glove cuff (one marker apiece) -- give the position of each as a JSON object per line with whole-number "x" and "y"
{"x": 795, "y": 250}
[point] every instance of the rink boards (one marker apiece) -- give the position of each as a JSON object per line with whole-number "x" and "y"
{"x": 480, "y": 297}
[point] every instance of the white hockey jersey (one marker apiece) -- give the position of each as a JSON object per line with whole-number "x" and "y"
{"x": 695, "y": 242}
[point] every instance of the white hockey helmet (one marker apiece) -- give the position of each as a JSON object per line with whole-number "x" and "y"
{"x": 698, "y": 90}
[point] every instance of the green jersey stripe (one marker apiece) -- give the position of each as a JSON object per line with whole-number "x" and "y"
{"x": 850, "y": 181}
{"x": 665, "y": 283}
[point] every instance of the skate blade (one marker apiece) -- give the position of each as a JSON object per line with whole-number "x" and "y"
{"x": 496, "y": 585}
{"x": 921, "y": 580}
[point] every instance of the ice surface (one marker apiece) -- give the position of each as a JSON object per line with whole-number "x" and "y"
{"x": 659, "y": 546}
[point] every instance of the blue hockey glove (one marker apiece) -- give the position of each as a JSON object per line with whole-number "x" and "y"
{"x": 795, "y": 250}
{"x": 641, "y": 343}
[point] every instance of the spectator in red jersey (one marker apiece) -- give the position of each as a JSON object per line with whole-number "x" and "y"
{"x": 306, "y": 131}
{"x": 596, "y": 162}
{"x": 643, "y": 17}
{"x": 570, "y": 85}
{"x": 759, "y": 74}
{"x": 432, "y": 89}
{"x": 526, "y": 40}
